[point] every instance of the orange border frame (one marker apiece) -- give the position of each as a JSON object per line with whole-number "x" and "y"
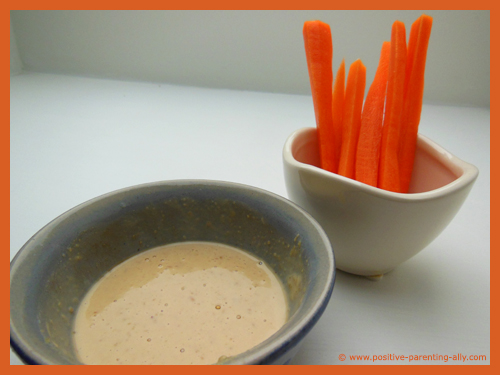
{"x": 437, "y": 4}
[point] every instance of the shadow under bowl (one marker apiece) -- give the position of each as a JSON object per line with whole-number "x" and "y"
{"x": 372, "y": 230}
{"x": 54, "y": 270}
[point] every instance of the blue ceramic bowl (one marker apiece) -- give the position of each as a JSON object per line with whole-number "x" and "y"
{"x": 57, "y": 266}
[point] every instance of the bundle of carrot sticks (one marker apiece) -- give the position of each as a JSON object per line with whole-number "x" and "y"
{"x": 371, "y": 140}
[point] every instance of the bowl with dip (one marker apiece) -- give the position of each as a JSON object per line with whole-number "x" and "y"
{"x": 171, "y": 272}
{"x": 373, "y": 230}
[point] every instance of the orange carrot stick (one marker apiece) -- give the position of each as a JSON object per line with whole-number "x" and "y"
{"x": 319, "y": 52}
{"x": 419, "y": 41}
{"x": 354, "y": 95}
{"x": 338, "y": 110}
{"x": 389, "y": 165}
{"x": 410, "y": 51}
{"x": 370, "y": 135}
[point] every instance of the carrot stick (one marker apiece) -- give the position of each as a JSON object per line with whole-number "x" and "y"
{"x": 354, "y": 95}
{"x": 410, "y": 51}
{"x": 389, "y": 165}
{"x": 338, "y": 109}
{"x": 368, "y": 152}
{"x": 319, "y": 52}
{"x": 419, "y": 41}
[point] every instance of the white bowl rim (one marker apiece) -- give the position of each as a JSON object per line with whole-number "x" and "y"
{"x": 469, "y": 171}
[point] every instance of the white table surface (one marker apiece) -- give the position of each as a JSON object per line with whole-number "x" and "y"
{"x": 75, "y": 138}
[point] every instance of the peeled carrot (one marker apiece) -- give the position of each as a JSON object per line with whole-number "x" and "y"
{"x": 368, "y": 152}
{"x": 414, "y": 92}
{"x": 354, "y": 94}
{"x": 410, "y": 51}
{"x": 389, "y": 178}
{"x": 338, "y": 109}
{"x": 319, "y": 53}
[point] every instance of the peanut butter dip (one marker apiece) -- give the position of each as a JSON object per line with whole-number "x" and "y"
{"x": 184, "y": 303}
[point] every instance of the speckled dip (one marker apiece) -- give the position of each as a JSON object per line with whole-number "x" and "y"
{"x": 58, "y": 265}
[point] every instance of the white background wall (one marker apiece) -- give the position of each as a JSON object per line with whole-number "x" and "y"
{"x": 245, "y": 50}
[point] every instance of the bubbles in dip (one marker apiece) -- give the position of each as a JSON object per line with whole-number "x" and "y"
{"x": 185, "y": 303}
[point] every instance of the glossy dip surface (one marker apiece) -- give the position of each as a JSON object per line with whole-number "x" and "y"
{"x": 183, "y": 303}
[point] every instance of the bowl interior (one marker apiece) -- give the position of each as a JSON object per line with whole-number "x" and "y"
{"x": 56, "y": 268}
{"x": 433, "y": 166}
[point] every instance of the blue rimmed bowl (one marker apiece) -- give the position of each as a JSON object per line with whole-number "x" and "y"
{"x": 53, "y": 271}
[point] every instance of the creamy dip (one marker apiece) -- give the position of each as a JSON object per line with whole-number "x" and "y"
{"x": 184, "y": 303}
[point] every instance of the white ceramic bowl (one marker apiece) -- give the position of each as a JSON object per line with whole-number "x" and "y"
{"x": 372, "y": 230}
